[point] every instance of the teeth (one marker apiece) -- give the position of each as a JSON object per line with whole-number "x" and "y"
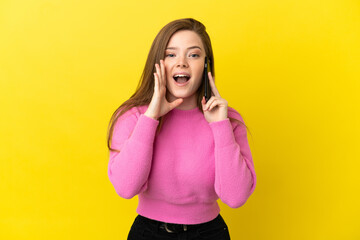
{"x": 181, "y": 75}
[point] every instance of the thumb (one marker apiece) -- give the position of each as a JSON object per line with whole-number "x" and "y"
{"x": 203, "y": 102}
{"x": 176, "y": 103}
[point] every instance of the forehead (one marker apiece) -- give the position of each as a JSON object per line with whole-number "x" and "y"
{"x": 184, "y": 39}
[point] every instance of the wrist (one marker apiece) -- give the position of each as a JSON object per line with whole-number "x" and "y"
{"x": 150, "y": 116}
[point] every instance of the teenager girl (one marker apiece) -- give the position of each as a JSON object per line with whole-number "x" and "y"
{"x": 173, "y": 149}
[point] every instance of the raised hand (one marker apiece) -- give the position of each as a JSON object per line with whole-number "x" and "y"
{"x": 216, "y": 109}
{"x": 159, "y": 105}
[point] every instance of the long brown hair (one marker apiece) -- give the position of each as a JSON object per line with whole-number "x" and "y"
{"x": 145, "y": 88}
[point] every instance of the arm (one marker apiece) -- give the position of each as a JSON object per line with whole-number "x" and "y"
{"x": 128, "y": 170}
{"x": 235, "y": 177}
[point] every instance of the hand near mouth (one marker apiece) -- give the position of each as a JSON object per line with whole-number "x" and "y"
{"x": 159, "y": 105}
{"x": 216, "y": 109}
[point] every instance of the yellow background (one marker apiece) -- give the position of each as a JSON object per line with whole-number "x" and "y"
{"x": 291, "y": 68}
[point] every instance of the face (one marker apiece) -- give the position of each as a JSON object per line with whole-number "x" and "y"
{"x": 184, "y": 56}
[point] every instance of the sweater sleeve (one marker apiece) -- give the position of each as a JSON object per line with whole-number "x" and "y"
{"x": 235, "y": 177}
{"x": 128, "y": 170}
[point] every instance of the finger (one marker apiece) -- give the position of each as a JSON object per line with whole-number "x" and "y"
{"x": 163, "y": 76}
{"x": 203, "y": 102}
{"x": 212, "y": 85}
{"x": 156, "y": 86}
{"x": 176, "y": 103}
{"x": 214, "y": 104}
{"x": 207, "y": 105}
{"x": 158, "y": 72}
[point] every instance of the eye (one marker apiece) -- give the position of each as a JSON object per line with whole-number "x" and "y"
{"x": 169, "y": 55}
{"x": 195, "y": 55}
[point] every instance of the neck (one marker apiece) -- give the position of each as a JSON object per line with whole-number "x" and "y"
{"x": 187, "y": 104}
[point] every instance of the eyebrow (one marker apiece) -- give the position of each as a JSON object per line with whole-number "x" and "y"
{"x": 192, "y": 47}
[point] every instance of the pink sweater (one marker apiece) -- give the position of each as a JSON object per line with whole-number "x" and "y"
{"x": 179, "y": 174}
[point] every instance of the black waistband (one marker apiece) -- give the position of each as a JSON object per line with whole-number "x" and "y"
{"x": 175, "y": 225}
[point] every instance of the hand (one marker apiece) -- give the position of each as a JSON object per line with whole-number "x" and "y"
{"x": 159, "y": 105}
{"x": 216, "y": 109}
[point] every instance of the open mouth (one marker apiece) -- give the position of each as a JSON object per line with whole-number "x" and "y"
{"x": 181, "y": 78}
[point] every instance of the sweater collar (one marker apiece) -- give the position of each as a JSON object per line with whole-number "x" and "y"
{"x": 185, "y": 112}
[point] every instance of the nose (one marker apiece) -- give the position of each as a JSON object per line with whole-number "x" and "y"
{"x": 182, "y": 62}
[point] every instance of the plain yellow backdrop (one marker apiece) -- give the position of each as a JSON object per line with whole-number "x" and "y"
{"x": 291, "y": 68}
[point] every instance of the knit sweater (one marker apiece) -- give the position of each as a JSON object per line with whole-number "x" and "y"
{"x": 180, "y": 173}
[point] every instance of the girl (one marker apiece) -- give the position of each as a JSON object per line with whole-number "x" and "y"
{"x": 173, "y": 149}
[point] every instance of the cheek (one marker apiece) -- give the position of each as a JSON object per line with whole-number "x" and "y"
{"x": 168, "y": 74}
{"x": 199, "y": 72}
{"x": 167, "y": 69}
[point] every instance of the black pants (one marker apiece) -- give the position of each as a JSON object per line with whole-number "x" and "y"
{"x": 147, "y": 229}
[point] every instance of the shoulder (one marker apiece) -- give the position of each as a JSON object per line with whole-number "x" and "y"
{"x": 233, "y": 113}
{"x": 129, "y": 117}
{"x": 134, "y": 112}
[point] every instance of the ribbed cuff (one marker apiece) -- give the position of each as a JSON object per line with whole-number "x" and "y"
{"x": 223, "y": 133}
{"x": 145, "y": 129}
